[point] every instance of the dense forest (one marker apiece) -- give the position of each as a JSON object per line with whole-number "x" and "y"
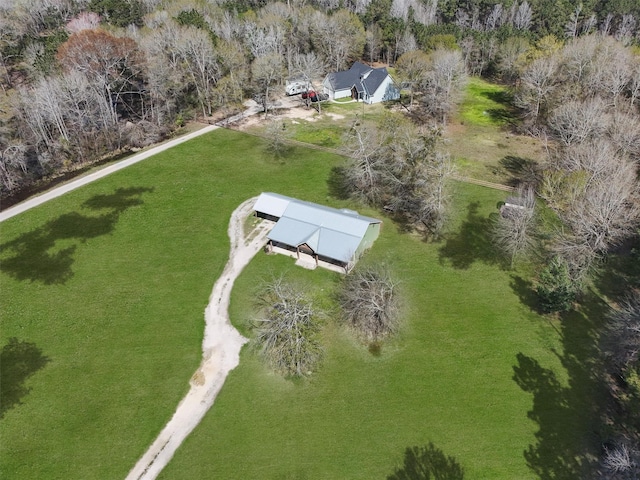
{"x": 84, "y": 80}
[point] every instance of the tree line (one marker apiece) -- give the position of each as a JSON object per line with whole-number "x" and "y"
{"x": 84, "y": 79}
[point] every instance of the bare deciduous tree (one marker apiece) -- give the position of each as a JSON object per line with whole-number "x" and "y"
{"x": 444, "y": 82}
{"x": 373, "y": 42}
{"x": 621, "y": 342}
{"x": 509, "y": 52}
{"x": 537, "y": 83}
{"x": 111, "y": 64}
{"x": 13, "y": 167}
{"x": 605, "y": 208}
{"x": 523, "y": 16}
{"x": 622, "y": 461}
{"x": 339, "y": 37}
{"x": 412, "y": 68}
{"x": 398, "y": 168}
{"x": 369, "y": 301}
{"x": 578, "y": 121}
{"x": 197, "y": 59}
{"x": 277, "y": 136}
{"x": 266, "y": 71}
{"x": 512, "y": 231}
{"x": 308, "y": 65}
{"x": 286, "y": 333}
{"x": 364, "y": 172}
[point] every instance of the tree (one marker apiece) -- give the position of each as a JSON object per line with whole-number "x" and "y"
{"x": 604, "y": 206}
{"x": 443, "y": 83}
{"x": 120, "y": 13}
{"x": 13, "y": 167}
{"x": 622, "y": 462}
{"x": 197, "y": 59}
{"x": 412, "y": 68}
{"x": 416, "y": 175}
{"x": 287, "y": 331}
{"x": 512, "y": 231}
{"x": 556, "y": 289}
{"x": 620, "y": 344}
{"x": 111, "y": 64}
{"x": 621, "y": 341}
{"x": 373, "y": 42}
{"x": 369, "y": 301}
{"x": 67, "y": 115}
{"x": 83, "y": 21}
{"x": 339, "y": 37}
{"x": 396, "y": 167}
{"x": 537, "y": 82}
{"x": 308, "y": 65}
{"x": 509, "y": 53}
{"x": 266, "y": 71}
{"x": 577, "y": 121}
{"x": 611, "y": 70}
{"x": 364, "y": 173}
{"x": 277, "y": 136}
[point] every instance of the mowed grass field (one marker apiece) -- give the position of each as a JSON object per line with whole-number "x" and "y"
{"x": 103, "y": 294}
{"x": 104, "y": 291}
{"x": 469, "y": 371}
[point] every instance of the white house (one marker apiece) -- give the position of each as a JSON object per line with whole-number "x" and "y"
{"x": 361, "y": 82}
{"x": 324, "y": 236}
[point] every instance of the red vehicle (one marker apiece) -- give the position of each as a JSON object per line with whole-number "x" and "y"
{"x": 310, "y": 94}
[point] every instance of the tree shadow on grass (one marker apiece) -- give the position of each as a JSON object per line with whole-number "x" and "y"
{"x": 426, "y": 463}
{"x": 523, "y": 170}
{"x": 18, "y": 361}
{"x": 37, "y": 256}
{"x": 568, "y": 413}
{"x": 507, "y": 114}
{"x": 472, "y": 242}
{"x": 525, "y": 291}
{"x": 337, "y": 185}
{"x": 620, "y": 270}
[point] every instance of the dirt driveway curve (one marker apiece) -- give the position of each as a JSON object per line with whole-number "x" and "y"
{"x": 221, "y": 349}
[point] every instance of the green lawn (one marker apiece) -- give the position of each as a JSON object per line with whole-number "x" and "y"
{"x": 460, "y": 374}
{"x": 487, "y": 104}
{"x": 481, "y": 137}
{"x": 104, "y": 290}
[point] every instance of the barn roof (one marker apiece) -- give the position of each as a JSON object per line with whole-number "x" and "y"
{"x": 272, "y": 204}
{"x": 363, "y": 77}
{"x": 329, "y": 232}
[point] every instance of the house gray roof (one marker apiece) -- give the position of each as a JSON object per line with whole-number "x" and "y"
{"x": 363, "y": 77}
{"x": 327, "y": 231}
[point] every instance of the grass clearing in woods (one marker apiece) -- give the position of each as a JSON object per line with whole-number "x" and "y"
{"x": 481, "y": 137}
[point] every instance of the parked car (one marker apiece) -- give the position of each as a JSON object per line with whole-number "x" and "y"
{"x": 310, "y": 94}
{"x": 319, "y": 97}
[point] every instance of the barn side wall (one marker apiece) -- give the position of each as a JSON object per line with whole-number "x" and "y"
{"x": 369, "y": 237}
